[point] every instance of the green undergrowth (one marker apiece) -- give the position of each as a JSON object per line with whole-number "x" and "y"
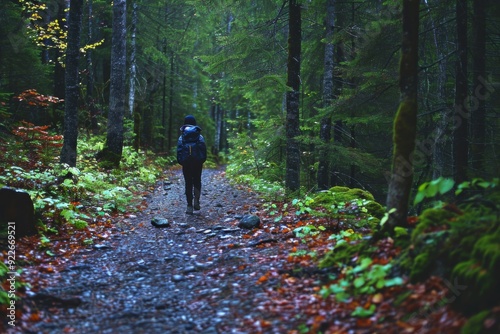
{"x": 459, "y": 242}
{"x": 74, "y": 195}
{"x": 456, "y": 237}
{"x": 68, "y": 199}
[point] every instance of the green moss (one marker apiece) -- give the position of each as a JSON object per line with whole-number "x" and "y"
{"x": 339, "y": 189}
{"x": 421, "y": 267}
{"x": 475, "y": 324}
{"x": 323, "y": 197}
{"x": 432, "y": 218}
{"x": 481, "y": 286}
{"x": 487, "y": 250}
{"x": 360, "y": 193}
{"x": 375, "y": 209}
{"x": 342, "y": 253}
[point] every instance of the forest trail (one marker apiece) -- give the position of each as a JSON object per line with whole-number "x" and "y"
{"x": 199, "y": 275}
{"x": 205, "y": 274}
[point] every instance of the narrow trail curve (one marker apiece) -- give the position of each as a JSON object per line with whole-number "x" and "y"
{"x": 197, "y": 276}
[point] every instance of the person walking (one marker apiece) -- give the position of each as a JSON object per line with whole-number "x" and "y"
{"x": 191, "y": 154}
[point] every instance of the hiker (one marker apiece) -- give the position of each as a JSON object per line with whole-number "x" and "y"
{"x": 191, "y": 154}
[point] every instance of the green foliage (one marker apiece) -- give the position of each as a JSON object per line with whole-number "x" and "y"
{"x": 477, "y": 324}
{"x": 460, "y": 242}
{"x": 308, "y": 230}
{"x": 355, "y": 205}
{"x": 303, "y": 205}
{"x": 364, "y": 278}
{"x": 10, "y": 279}
{"x": 431, "y": 189}
{"x": 343, "y": 252}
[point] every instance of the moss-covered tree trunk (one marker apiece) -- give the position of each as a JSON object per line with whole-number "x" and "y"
{"x": 112, "y": 152}
{"x": 292, "y": 176}
{"x": 405, "y": 122}
{"x": 68, "y": 151}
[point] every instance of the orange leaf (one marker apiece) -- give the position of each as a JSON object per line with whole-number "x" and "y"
{"x": 263, "y": 278}
{"x": 364, "y": 322}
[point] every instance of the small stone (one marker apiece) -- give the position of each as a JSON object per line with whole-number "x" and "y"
{"x": 249, "y": 222}
{"x": 178, "y": 278}
{"x": 189, "y": 269}
{"x": 160, "y": 222}
{"x": 101, "y": 246}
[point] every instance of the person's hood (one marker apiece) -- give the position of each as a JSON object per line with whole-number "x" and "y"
{"x": 189, "y": 125}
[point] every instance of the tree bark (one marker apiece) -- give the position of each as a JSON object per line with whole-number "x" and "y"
{"x": 292, "y": 176}
{"x": 69, "y": 151}
{"x": 460, "y": 133}
{"x": 90, "y": 74}
{"x": 479, "y": 63}
{"x": 328, "y": 87}
{"x": 133, "y": 60}
{"x": 113, "y": 148}
{"x": 405, "y": 122}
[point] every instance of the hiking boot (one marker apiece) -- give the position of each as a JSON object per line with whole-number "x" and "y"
{"x": 189, "y": 210}
{"x": 197, "y": 194}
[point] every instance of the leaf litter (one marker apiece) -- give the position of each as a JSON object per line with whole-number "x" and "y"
{"x": 203, "y": 274}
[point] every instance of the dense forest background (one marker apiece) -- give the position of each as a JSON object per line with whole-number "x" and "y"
{"x": 226, "y": 63}
{"x": 353, "y": 120}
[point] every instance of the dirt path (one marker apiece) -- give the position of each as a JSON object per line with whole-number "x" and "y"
{"x": 197, "y": 276}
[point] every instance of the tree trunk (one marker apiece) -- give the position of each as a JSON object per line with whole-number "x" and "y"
{"x": 460, "y": 144}
{"x": 171, "y": 103}
{"x": 479, "y": 63}
{"x": 112, "y": 152}
{"x": 133, "y": 61}
{"x": 328, "y": 87}
{"x": 90, "y": 74}
{"x": 440, "y": 142}
{"x": 405, "y": 122}
{"x": 68, "y": 151}
{"x": 292, "y": 177}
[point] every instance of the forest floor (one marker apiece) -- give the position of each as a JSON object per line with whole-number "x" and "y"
{"x": 204, "y": 274}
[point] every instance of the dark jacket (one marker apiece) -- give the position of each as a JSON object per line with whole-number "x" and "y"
{"x": 191, "y": 147}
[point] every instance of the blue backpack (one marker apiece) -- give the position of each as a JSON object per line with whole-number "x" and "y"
{"x": 191, "y": 147}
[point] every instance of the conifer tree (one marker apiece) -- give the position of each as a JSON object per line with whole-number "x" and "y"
{"x": 113, "y": 147}
{"x": 292, "y": 178}
{"x": 68, "y": 152}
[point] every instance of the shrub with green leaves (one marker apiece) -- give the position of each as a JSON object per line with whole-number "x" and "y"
{"x": 459, "y": 241}
{"x": 364, "y": 278}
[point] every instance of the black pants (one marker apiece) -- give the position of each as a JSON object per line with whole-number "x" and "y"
{"x": 192, "y": 179}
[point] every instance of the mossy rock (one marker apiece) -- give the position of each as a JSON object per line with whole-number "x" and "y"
{"x": 375, "y": 209}
{"x": 339, "y": 189}
{"x": 360, "y": 193}
{"x": 432, "y": 218}
{"x": 323, "y": 197}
